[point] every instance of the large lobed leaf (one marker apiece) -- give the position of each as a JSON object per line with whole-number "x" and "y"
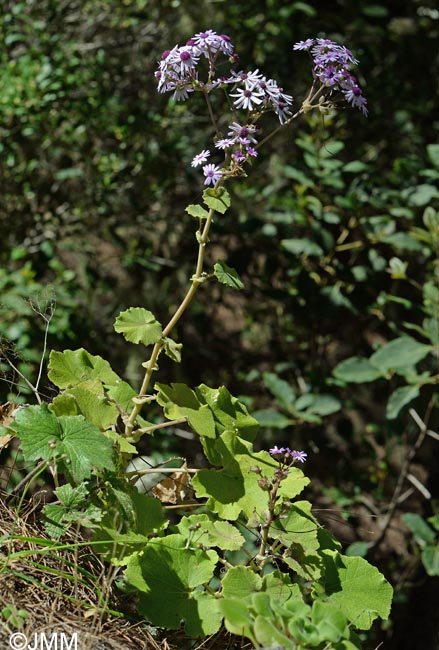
{"x": 167, "y": 575}
{"x": 78, "y": 444}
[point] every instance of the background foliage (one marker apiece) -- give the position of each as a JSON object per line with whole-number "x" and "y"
{"x": 332, "y": 238}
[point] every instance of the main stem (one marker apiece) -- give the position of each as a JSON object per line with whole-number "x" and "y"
{"x": 197, "y": 279}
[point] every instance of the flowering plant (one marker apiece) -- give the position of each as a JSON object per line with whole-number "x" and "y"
{"x": 250, "y": 557}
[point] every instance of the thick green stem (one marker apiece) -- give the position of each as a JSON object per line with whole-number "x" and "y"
{"x": 197, "y": 279}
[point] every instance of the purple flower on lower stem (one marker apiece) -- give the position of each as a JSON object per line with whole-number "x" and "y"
{"x": 200, "y": 158}
{"x": 299, "y": 455}
{"x": 277, "y": 451}
{"x": 212, "y": 173}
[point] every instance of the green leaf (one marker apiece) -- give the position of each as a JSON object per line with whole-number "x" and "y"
{"x": 218, "y": 200}
{"x": 197, "y": 211}
{"x": 179, "y": 401}
{"x": 355, "y": 167}
{"x": 142, "y": 516}
{"x": 199, "y": 529}
{"x": 172, "y": 349}
{"x": 138, "y": 325}
{"x": 228, "y": 276}
{"x": 75, "y": 443}
{"x": 419, "y": 527}
{"x": 237, "y": 617}
{"x": 330, "y": 622}
{"x": 271, "y": 418}
{"x": 399, "y": 353}
{"x": 72, "y": 497}
{"x": 357, "y": 588}
{"x": 167, "y": 575}
{"x": 433, "y": 154}
{"x": 268, "y": 634}
{"x": 302, "y": 246}
{"x": 121, "y": 393}
{"x": 358, "y": 370}
{"x": 399, "y": 398}
{"x": 228, "y": 412}
{"x": 72, "y": 367}
{"x": 280, "y": 388}
{"x": 280, "y": 589}
{"x": 423, "y": 195}
{"x": 54, "y": 520}
{"x": 297, "y": 525}
{"x": 319, "y": 404}
{"x": 430, "y": 559}
{"x": 91, "y": 402}
{"x": 241, "y": 582}
{"x": 357, "y": 548}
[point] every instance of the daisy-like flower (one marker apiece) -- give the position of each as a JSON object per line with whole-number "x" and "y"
{"x": 225, "y": 143}
{"x": 212, "y": 173}
{"x": 187, "y": 58}
{"x": 304, "y": 45}
{"x": 248, "y": 98}
{"x": 200, "y": 158}
{"x": 298, "y": 455}
{"x": 207, "y": 42}
{"x": 250, "y": 79}
{"x": 355, "y": 97}
{"x": 226, "y": 46}
{"x": 276, "y": 451}
{"x": 238, "y": 157}
{"x": 245, "y": 132}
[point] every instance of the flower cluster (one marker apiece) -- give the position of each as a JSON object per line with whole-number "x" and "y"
{"x": 332, "y": 67}
{"x": 178, "y": 68}
{"x": 286, "y": 453}
{"x": 178, "y": 73}
{"x": 252, "y": 92}
{"x": 239, "y": 145}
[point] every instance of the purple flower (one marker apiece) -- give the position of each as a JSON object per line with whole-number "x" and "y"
{"x": 276, "y": 451}
{"x": 200, "y": 158}
{"x": 304, "y": 45}
{"x": 299, "y": 455}
{"x": 242, "y": 132}
{"x": 252, "y": 152}
{"x": 238, "y": 157}
{"x": 212, "y": 173}
{"x": 225, "y": 143}
{"x": 355, "y": 97}
{"x": 248, "y": 98}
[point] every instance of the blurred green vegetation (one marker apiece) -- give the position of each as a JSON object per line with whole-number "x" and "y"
{"x": 328, "y": 232}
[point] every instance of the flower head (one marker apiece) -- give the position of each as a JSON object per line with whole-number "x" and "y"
{"x": 299, "y": 455}
{"x": 304, "y": 45}
{"x": 248, "y": 98}
{"x": 286, "y": 452}
{"x": 225, "y": 143}
{"x": 200, "y": 158}
{"x": 212, "y": 173}
{"x": 277, "y": 451}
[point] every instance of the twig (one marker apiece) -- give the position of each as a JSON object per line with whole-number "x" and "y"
{"x": 403, "y": 474}
{"x": 24, "y": 481}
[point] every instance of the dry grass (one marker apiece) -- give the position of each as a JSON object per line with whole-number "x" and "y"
{"x": 63, "y": 588}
